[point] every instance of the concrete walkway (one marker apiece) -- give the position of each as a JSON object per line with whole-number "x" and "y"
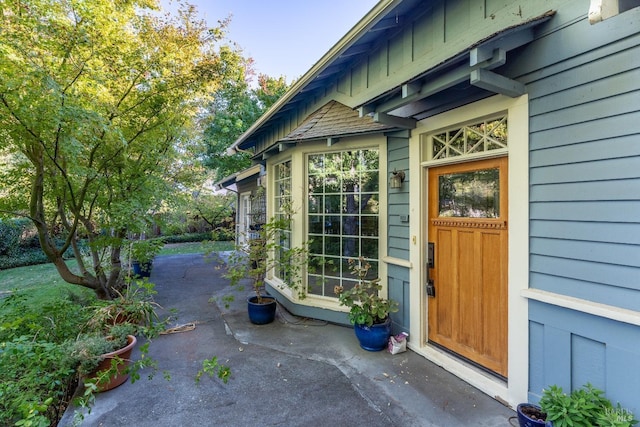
{"x": 293, "y": 372}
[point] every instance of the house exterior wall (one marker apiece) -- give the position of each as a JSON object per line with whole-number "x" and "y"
{"x": 397, "y": 246}
{"x": 584, "y": 87}
{"x": 579, "y": 280}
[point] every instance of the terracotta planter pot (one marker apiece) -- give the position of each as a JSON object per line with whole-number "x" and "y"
{"x": 121, "y": 376}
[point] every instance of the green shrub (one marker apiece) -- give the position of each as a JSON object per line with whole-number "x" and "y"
{"x": 187, "y": 237}
{"x": 10, "y": 235}
{"x": 37, "y": 380}
{"x": 37, "y": 377}
{"x": 586, "y": 406}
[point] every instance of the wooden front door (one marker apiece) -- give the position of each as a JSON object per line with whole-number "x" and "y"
{"x": 468, "y": 229}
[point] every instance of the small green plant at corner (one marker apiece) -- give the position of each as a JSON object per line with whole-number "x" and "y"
{"x": 586, "y": 406}
{"x": 213, "y": 368}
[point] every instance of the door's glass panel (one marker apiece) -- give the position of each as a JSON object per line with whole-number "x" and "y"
{"x": 473, "y": 194}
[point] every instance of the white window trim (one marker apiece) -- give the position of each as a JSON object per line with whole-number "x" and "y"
{"x": 299, "y": 194}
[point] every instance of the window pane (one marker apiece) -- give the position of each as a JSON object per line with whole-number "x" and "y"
{"x": 315, "y": 204}
{"x": 332, "y": 204}
{"x": 282, "y": 203}
{"x": 370, "y": 248}
{"x": 474, "y": 194}
{"x": 316, "y": 184}
{"x": 351, "y": 225}
{"x": 332, "y": 225}
{"x": 369, "y": 226}
{"x": 370, "y": 204}
{"x": 332, "y": 245}
{"x": 343, "y": 206}
{"x": 315, "y": 224}
{"x": 370, "y": 181}
{"x": 487, "y": 135}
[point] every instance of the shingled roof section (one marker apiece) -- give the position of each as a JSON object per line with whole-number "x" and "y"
{"x": 332, "y": 120}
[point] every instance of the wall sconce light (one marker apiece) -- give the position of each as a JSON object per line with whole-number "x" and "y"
{"x": 396, "y": 180}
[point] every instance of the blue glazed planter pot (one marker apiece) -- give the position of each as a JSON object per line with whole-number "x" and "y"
{"x": 374, "y": 337}
{"x": 261, "y": 314}
{"x": 142, "y": 269}
{"x": 525, "y": 421}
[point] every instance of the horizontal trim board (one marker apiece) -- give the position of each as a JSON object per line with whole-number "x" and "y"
{"x": 601, "y": 310}
{"x": 590, "y": 291}
{"x": 399, "y": 263}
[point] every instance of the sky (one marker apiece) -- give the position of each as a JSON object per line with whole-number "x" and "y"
{"x": 284, "y": 37}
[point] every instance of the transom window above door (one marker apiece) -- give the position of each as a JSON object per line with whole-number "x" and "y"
{"x": 488, "y": 135}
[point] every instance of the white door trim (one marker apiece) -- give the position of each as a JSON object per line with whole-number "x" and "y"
{"x": 515, "y": 389}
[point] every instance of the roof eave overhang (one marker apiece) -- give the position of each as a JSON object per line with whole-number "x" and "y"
{"x": 376, "y": 14}
{"x": 473, "y": 65}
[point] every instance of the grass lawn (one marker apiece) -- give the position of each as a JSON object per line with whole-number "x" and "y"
{"x": 40, "y": 283}
{"x": 44, "y": 281}
{"x": 195, "y": 247}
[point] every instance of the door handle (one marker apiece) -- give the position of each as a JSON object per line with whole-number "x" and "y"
{"x": 431, "y": 263}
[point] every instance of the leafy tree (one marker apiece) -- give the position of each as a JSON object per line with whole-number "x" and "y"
{"x": 98, "y": 101}
{"x": 234, "y": 108}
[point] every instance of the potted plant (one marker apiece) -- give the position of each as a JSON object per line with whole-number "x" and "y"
{"x": 142, "y": 253}
{"x": 530, "y": 415}
{"x": 134, "y": 304}
{"x": 368, "y": 311}
{"x": 268, "y": 250}
{"x": 586, "y": 406}
{"x": 103, "y": 357}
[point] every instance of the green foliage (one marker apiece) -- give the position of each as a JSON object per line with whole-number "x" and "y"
{"x": 19, "y": 244}
{"x": 267, "y": 253}
{"x": 49, "y": 321}
{"x": 37, "y": 377}
{"x": 88, "y": 349}
{"x": 11, "y": 234}
{"x": 213, "y": 368}
{"x": 234, "y": 108}
{"x": 616, "y": 417}
{"x": 187, "y": 238}
{"x": 99, "y": 103}
{"x": 584, "y": 407}
{"x": 133, "y": 305}
{"x": 145, "y": 250}
{"x": 366, "y": 306}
